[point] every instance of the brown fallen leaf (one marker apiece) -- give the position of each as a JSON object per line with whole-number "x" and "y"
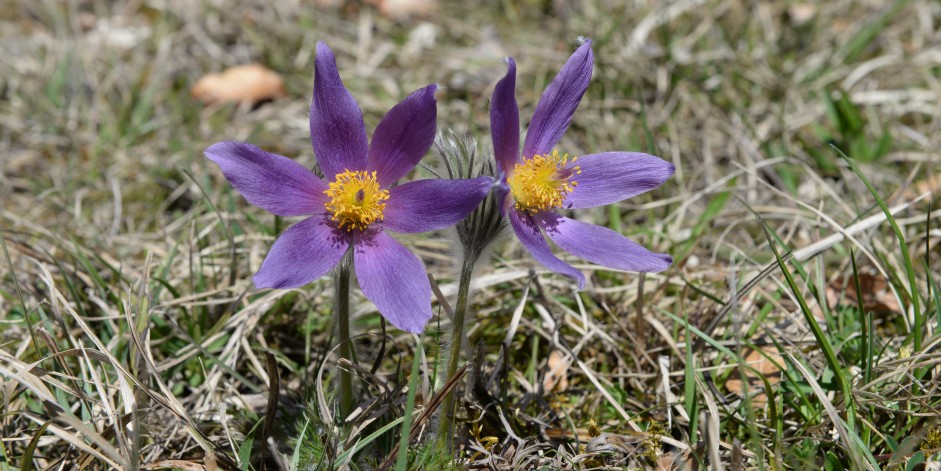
{"x": 801, "y": 13}
{"x": 675, "y": 461}
{"x": 930, "y": 184}
{"x": 877, "y": 297}
{"x": 175, "y": 464}
{"x": 556, "y": 379}
{"x": 250, "y": 83}
{"x": 401, "y": 10}
{"x": 763, "y": 366}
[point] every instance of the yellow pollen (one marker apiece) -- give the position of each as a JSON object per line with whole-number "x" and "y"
{"x": 356, "y": 201}
{"x": 543, "y": 182}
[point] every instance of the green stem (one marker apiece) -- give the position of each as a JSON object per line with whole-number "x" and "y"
{"x": 343, "y": 335}
{"x": 457, "y": 341}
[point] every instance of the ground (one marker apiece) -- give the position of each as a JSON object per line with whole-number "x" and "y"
{"x": 796, "y": 329}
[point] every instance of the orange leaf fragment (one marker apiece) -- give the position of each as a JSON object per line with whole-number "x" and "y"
{"x": 555, "y": 379}
{"x": 250, "y": 83}
{"x": 401, "y": 10}
{"x": 764, "y": 367}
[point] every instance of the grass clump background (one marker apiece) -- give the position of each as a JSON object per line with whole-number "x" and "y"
{"x": 797, "y": 329}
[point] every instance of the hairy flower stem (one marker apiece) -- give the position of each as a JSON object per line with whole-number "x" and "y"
{"x": 343, "y": 334}
{"x": 457, "y": 341}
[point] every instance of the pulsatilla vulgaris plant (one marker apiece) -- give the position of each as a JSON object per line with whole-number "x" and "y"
{"x": 348, "y": 211}
{"x": 353, "y": 205}
{"x": 540, "y": 180}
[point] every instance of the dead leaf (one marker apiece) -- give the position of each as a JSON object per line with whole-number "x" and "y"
{"x": 174, "y": 464}
{"x": 250, "y": 83}
{"x": 801, "y": 13}
{"x": 210, "y": 461}
{"x": 877, "y": 297}
{"x": 675, "y": 461}
{"x": 401, "y": 10}
{"x": 931, "y": 184}
{"x": 556, "y": 379}
{"x": 766, "y": 368}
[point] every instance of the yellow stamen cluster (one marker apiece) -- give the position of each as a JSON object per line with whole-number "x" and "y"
{"x": 543, "y": 182}
{"x": 356, "y": 201}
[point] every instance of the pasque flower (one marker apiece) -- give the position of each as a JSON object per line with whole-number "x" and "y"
{"x": 356, "y": 202}
{"x": 541, "y": 180}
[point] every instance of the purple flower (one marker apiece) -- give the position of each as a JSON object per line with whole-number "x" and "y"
{"x": 541, "y": 180}
{"x": 355, "y": 202}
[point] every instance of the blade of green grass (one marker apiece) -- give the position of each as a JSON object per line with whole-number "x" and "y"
{"x": 906, "y": 255}
{"x": 865, "y": 338}
{"x": 401, "y": 461}
{"x": 932, "y": 284}
{"x": 822, "y": 341}
{"x": 344, "y": 458}
{"x": 296, "y": 457}
{"x": 816, "y": 289}
{"x": 854, "y": 446}
{"x": 933, "y": 293}
{"x": 19, "y": 294}
{"x": 711, "y": 341}
{"x": 233, "y": 269}
{"x": 26, "y": 461}
{"x": 713, "y": 208}
{"x": 689, "y": 386}
{"x": 855, "y": 46}
{"x": 777, "y": 424}
{"x": 103, "y": 287}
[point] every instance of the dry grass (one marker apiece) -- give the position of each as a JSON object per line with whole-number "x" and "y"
{"x": 131, "y": 336}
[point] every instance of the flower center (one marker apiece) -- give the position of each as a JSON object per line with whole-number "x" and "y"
{"x": 542, "y": 182}
{"x": 356, "y": 201}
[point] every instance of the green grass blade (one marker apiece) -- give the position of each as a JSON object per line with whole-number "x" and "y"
{"x": 401, "y": 461}
{"x": 934, "y": 294}
{"x": 932, "y": 284}
{"x": 906, "y": 254}
{"x": 245, "y": 453}
{"x": 345, "y": 457}
{"x": 777, "y": 423}
{"x": 711, "y": 341}
{"x": 19, "y": 294}
{"x": 855, "y": 46}
{"x": 296, "y": 457}
{"x": 689, "y": 386}
{"x": 852, "y": 443}
{"x": 822, "y": 341}
{"x": 233, "y": 269}
{"x": 649, "y": 140}
{"x": 713, "y": 208}
{"x": 26, "y": 461}
{"x": 863, "y": 316}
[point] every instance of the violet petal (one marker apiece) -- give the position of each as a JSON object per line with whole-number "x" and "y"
{"x": 558, "y": 103}
{"x": 394, "y": 279}
{"x": 601, "y": 245}
{"x": 403, "y": 136}
{"x": 304, "y": 252}
{"x": 614, "y": 176}
{"x": 336, "y": 122}
{"x": 427, "y": 205}
{"x": 505, "y": 120}
{"x": 528, "y": 233}
{"x": 270, "y": 181}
